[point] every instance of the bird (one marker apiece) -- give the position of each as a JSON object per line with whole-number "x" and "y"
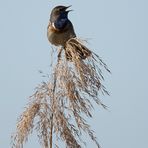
{"x": 60, "y": 30}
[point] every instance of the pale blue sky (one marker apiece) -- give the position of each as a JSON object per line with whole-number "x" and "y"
{"x": 118, "y": 32}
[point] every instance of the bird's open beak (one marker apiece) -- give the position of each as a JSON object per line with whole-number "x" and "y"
{"x": 67, "y": 8}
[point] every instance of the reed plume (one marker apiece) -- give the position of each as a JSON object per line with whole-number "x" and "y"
{"x": 59, "y": 106}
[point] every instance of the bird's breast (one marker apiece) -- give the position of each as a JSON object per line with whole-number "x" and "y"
{"x": 59, "y": 37}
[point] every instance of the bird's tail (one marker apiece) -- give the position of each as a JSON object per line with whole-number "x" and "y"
{"x": 74, "y": 49}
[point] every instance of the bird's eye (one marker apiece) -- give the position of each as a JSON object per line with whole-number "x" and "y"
{"x": 60, "y": 9}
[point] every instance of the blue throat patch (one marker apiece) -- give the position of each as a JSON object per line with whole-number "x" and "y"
{"x": 61, "y": 22}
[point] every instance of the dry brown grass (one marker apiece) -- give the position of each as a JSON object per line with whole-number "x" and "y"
{"x": 59, "y": 106}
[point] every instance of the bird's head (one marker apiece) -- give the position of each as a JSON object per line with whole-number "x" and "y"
{"x": 59, "y": 11}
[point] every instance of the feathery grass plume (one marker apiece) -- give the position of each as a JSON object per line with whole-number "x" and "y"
{"x": 60, "y": 105}
{"x": 25, "y": 125}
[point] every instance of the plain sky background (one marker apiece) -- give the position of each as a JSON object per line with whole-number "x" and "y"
{"x": 117, "y": 31}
